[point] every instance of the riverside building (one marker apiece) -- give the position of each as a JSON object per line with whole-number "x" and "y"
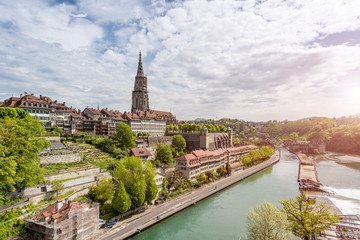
{"x": 201, "y": 161}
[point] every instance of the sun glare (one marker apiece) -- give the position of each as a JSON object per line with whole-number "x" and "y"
{"x": 353, "y": 95}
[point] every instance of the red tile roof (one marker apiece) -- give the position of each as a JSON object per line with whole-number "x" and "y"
{"x": 94, "y": 111}
{"x": 76, "y": 115}
{"x": 140, "y": 152}
{"x": 51, "y": 214}
{"x": 193, "y": 158}
{"x": 162, "y": 113}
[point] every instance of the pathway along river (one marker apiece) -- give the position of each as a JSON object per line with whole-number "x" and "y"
{"x": 223, "y": 215}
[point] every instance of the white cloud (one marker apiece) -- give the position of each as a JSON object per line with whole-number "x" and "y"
{"x": 246, "y": 59}
{"x": 51, "y": 24}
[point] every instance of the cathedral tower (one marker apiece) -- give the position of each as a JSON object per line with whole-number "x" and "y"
{"x": 140, "y": 97}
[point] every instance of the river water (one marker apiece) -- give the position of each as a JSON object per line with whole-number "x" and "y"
{"x": 223, "y": 215}
{"x": 343, "y": 179}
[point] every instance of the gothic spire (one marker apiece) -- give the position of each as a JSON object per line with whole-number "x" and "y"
{"x": 140, "y": 71}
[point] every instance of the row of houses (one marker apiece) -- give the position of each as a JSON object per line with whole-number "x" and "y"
{"x": 201, "y": 161}
{"x": 98, "y": 121}
{"x": 307, "y": 147}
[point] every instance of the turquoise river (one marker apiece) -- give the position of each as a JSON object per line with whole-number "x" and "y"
{"x": 223, "y": 215}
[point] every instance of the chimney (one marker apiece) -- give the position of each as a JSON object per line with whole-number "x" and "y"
{"x": 40, "y": 96}
{"x": 20, "y": 94}
{"x": 59, "y": 205}
{"x": 25, "y": 93}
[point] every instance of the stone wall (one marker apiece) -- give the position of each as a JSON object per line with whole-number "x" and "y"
{"x": 38, "y": 189}
{"x": 85, "y": 172}
{"x": 53, "y": 138}
{"x": 44, "y": 190}
{"x": 62, "y": 158}
{"x": 153, "y": 141}
{"x": 214, "y": 140}
{"x": 46, "y": 187}
{"x": 219, "y": 140}
{"x": 192, "y": 139}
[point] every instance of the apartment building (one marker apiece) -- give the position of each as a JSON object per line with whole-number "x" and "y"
{"x": 65, "y": 220}
{"x": 36, "y": 107}
{"x": 201, "y": 161}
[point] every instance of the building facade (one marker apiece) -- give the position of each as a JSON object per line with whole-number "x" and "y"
{"x": 65, "y": 220}
{"x": 201, "y": 161}
{"x": 36, "y": 107}
{"x": 49, "y": 112}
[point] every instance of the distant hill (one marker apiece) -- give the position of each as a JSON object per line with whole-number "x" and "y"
{"x": 304, "y": 119}
{"x": 200, "y": 119}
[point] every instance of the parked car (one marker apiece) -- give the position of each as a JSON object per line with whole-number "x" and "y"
{"x": 109, "y": 224}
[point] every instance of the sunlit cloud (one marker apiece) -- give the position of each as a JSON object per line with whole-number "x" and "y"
{"x": 240, "y": 59}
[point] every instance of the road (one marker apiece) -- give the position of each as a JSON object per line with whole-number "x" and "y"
{"x": 127, "y": 228}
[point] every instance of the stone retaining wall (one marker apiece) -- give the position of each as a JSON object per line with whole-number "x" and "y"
{"x": 85, "y": 172}
{"x": 153, "y": 141}
{"x": 62, "y": 158}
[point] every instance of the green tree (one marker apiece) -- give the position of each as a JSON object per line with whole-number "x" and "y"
{"x": 57, "y": 187}
{"x": 151, "y": 187}
{"x": 164, "y": 184}
{"x": 104, "y": 191}
{"x": 121, "y": 201}
{"x": 210, "y": 175}
{"x": 179, "y": 143}
{"x": 307, "y": 217}
{"x": 124, "y": 136}
{"x": 236, "y": 141}
{"x": 201, "y": 178}
{"x": 245, "y": 159}
{"x": 130, "y": 171}
{"x": 221, "y": 171}
{"x": 164, "y": 154}
{"x": 21, "y": 138}
{"x": 222, "y": 128}
{"x": 266, "y": 222}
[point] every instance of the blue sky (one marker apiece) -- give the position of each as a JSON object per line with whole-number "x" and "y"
{"x": 252, "y": 60}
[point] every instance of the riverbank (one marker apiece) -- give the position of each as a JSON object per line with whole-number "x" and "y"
{"x": 148, "y": 218}
{"x": 309, "y": 181}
